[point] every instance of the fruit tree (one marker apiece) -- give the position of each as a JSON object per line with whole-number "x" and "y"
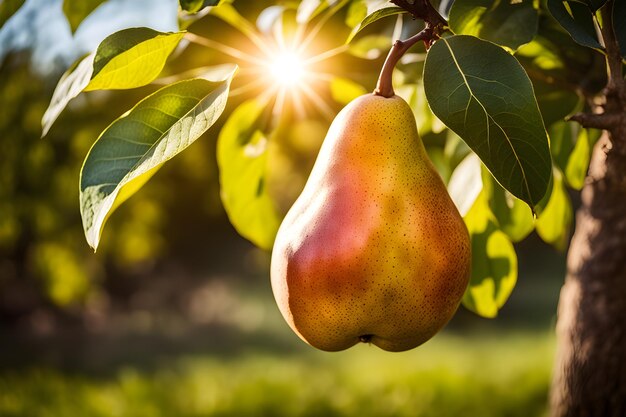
{"x": 523, "y": 103}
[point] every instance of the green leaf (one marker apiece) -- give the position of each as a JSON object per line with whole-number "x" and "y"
{"x": 513, "y": 216}
{"x": 8, "y": 9}
{"x": 507, "y": 23}
{"x": 440, "y": 163}
{"x": 242, "y": 160}
{"x": 562, "y": 136}
{"x": 543, "y": 55}
{"x": 548, "y": 62}
{"x": 426, "y": 121}
{"x": 77, "y": 10}
{"x": 555, "y": 57}
{"x": 366, "y": 12}
{"x": 455, "y": 149}
{"x": 194, "y": 6}
{"x": 135, "y": 146}
{"x": 554, "y": 101}
{"x": 619, "y": 25}
{"x": 571, "y": 147}
{"x": 194, "y": 10}
{"x": 344, "y": 90}
{"x": 471, "y": 181}
{"x": 191, "y": 6}
{"x": 493, "y": 109}
{"x": 577, "y": 19}
{"x": 578, "y": 162}
{"x": 126, "y": 59}
{"x": 494, "y": 262}
{"x": 553, "y": 224}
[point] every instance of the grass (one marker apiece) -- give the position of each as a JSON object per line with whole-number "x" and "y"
{"x": 481, "y": 375}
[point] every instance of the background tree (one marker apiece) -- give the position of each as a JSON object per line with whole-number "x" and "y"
{"x": 475, "y": 105}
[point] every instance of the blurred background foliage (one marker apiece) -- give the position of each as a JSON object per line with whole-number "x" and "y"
{"x": 174, "y": 314}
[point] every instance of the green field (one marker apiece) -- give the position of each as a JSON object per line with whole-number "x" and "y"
{"x": 461, "y": 375}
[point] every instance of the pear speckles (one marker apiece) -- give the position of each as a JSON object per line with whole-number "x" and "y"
{"x": 373, "y": 247}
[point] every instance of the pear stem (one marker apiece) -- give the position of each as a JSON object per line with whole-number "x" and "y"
{"x": 435, "y": 24}
{"x": 384, "y": 86}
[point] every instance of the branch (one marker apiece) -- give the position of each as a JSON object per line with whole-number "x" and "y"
{"x": 422, "y": 9}
{"x": 604, "y": 121}
{"x": 613, "y": 114}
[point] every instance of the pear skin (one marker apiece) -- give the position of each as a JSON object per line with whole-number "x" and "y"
{"x": 373, "y": 250}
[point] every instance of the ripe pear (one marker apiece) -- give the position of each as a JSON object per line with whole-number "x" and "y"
{"x": 373, "y": 250}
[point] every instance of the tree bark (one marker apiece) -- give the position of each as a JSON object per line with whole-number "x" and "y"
{"x": 590, "y": 373}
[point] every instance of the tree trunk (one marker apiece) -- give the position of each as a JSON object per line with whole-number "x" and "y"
{"x": 590, "y": 373}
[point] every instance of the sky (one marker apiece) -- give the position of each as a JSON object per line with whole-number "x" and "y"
{"x": 41, "y": 27}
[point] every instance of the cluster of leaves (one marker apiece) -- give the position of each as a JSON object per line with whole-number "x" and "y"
{"x": 506, "y": 75}
{"x": 564, "y": 72}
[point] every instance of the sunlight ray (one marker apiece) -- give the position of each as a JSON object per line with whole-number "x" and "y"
{"x": 326, "y": 110}
{"x": 279, "y": 104}
{"x": 279, "y": 37}
{"x": 298, "y": 104}
{"x": 297, "y": 38}
{"x": 247, "y": 87}
{"x": 326, "y": 55}
{"x": 243, "y": 26}
{"x": 267, "y": 95}
{"x": 233, "y": 52}
{"x": 318, "y": 26}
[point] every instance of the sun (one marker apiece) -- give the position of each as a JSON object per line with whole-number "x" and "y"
{"x": 287, "y": 69}
{"x": 282, "y": 70}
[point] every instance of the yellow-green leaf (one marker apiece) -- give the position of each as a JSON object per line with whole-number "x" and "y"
{"x": 8, "y": 9}
{"x": 242, "y": 160}
{"x": 126, "y": 59}
{"x": 578, "y": 162}
{"x": 344, "y": 90}
{"x": 135, "y": 146}
{"x": 494, "y": 262}
{"x": 77, "y": 10}
{"x": 365, "y": 12}
{"x": 553, "y": 224}
{"x": 514, "y": 217}
{"x": 131, "y": 58}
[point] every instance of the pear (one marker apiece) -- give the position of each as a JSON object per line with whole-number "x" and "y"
{"x": 373, "y": 250}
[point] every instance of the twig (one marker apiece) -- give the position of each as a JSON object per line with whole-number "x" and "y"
{"x": 597, "y": 121}
{"x": 613, "y": 116}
